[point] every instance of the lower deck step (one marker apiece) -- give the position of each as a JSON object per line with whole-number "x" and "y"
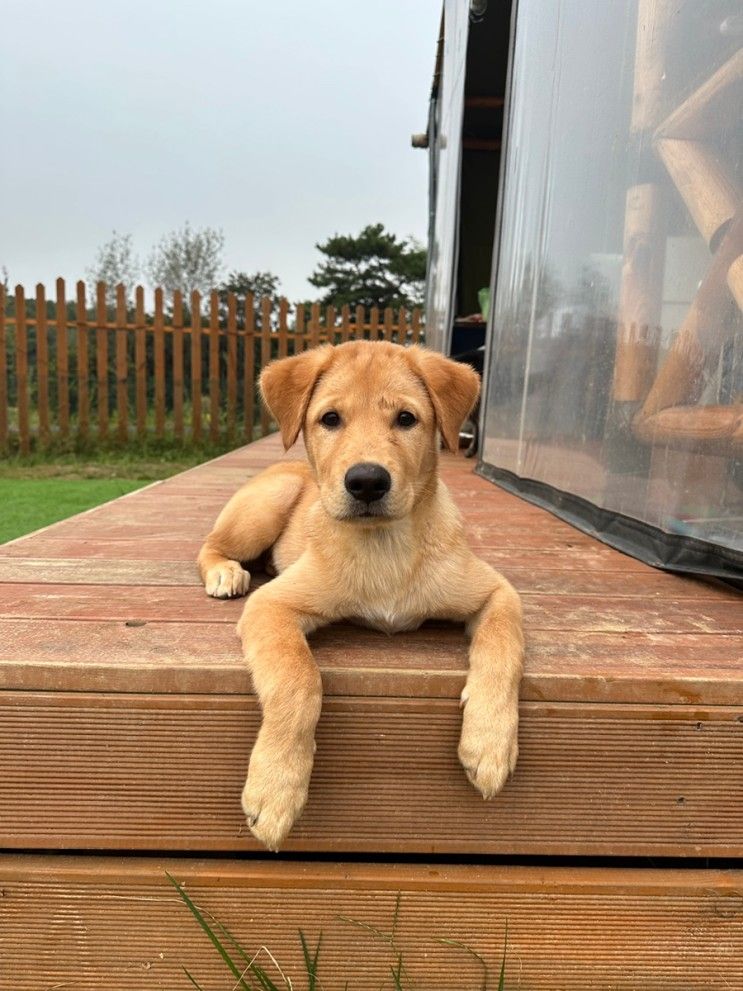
{"x": 111, "y": 922}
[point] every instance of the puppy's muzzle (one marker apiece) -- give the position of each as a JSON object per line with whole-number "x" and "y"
{"x": 368, "y": 482}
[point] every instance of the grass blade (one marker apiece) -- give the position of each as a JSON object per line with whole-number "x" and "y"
{"x": 310, "y": 963}
{"x": 502, "y": 978}
{"x": 216, "y": 942}
{"x": 193, "y": 980}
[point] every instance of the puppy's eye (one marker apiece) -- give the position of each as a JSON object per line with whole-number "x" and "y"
{"x": 406, "y": 419}
{"x": 330, "y": 419}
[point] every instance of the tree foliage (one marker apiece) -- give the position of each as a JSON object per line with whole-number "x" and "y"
{"x": 375, "y": 268}
{"x": 187, "y": 259}
{"x": 115, "y": 263}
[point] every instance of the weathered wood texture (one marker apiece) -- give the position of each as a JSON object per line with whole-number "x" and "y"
{"x": 126, "y": 717}
{"x": 102, "y": 923}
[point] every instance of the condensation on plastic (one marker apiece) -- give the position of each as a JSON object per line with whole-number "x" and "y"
{"x": 446, "y": 150}
{"x": 616, "y": 340}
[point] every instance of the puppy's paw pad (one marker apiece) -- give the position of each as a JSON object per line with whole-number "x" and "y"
{"x": 272, "y": 811}
{"x": 227, "y": 581}
{"x": 488, "y": 751}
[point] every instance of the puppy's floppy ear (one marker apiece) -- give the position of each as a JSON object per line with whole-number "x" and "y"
{"x": 286, "y": 386}
{"x": 452, "y": 386}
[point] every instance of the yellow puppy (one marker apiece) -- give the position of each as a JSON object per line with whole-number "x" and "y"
{"x": 366, "y": 531}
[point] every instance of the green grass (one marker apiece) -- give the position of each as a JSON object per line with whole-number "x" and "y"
{"x": 249, "y": 975}
{"x": 43, "y": 488}
{"x": 29, "y": 503}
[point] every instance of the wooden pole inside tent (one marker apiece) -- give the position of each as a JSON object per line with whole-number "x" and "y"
{"x": 640, "y": 295}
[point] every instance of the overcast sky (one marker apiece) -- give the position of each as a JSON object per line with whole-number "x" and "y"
{"x": 280, "y": 121}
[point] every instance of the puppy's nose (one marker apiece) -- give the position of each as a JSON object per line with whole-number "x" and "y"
{"x": 368, "y": 482}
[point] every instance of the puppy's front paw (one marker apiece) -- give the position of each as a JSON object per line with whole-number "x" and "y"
{"x": 276, "y": 790}
{"x": 488, "y": 747}
{"x": 227, "y": 580}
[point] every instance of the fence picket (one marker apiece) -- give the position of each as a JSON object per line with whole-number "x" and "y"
{"x": 159, "y": 368}
{"x": 21, "y": 369}
{"x": 415, "y": 326}
{"x": 283, "y": 328}
{"x": 122, "y": 366}
{"x": 63, "y": 365}
{"x": 249, "y": 369}
{"x": 159, "y": 349}
{"x": 314, "y": 325}
{"x": 178, "y": 364}
{"x": 83, "y": 361}
{"x": 3, "y": 374}
{"x": 140, "y": 360}
{"x": 42, "y": 364}
{"x": 101, "y": 359}
{"x": 196, "y": 365}
{"x": 300, "y": 338}
{"x": 231, "y": 363}
{"x": 265, "y": 356}
{"x": 214, "y": 366}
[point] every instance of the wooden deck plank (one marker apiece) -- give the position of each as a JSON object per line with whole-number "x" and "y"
{"x": 566, "y": 613}
{"x": 89, "y": 771}
{"x": 135, "y": 654}
{"x": 119, "y": 924}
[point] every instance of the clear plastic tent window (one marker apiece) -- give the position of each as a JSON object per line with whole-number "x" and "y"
{"x": 616, "y": 362}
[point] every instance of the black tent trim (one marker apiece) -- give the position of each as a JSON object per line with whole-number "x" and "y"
{"x": 667, "y": 551}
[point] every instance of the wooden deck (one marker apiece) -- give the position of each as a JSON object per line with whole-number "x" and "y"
{"x": 126, "y": 721}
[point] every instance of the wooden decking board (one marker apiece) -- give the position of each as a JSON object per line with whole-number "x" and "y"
{"x": 94, "y": 771}
{"x": 102, "y": 923}
{"x": 565, "y": 613}
{"x": 123, "y": 686}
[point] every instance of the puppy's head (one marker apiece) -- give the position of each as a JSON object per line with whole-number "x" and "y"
{"x": 371, "y": 413}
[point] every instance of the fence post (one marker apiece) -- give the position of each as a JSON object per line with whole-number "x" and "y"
{"x": 140, "y": 361}
{"x": 101, "y": 337}
{"x": 265, "y": 356}
{"x": 159, "y": 348}
{"x": 249, "y": 369}
{"x": 21, "y": 368}
{"x": 42, "y": 364}
{"x": 196, "y": 365}
{"x": 63, "y": 368}
{"x": 314, "y": 325}
{"x": 231, "y": 363}
{"x": 178, "y": 364}
{"x": 3, "y": 375}
{"x": 283, "y": 328}
{"x": 122, "y": 405}
{"x": 83, "y": 401}
{"x": 214, "y": 366}
{"x": 345, "y": 322}
{"x": 415, "y": 325}
{"x": 358, "y": 330}
{"x": 300, "y": 338}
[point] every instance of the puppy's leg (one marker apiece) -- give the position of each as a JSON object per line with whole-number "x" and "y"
{"x": 249, "y": 524}
{"x": 273, "y": 629}
{"x": 488, "y": 747}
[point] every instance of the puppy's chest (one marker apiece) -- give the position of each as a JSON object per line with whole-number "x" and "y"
{"x": 385, "y": 593}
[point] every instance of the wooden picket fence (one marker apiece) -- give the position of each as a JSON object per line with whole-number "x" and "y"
{"x": 185, "y": 371}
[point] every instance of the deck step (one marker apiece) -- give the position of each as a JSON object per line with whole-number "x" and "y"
{"x": 100, "y": 923}
{"x": 126, "y": 715}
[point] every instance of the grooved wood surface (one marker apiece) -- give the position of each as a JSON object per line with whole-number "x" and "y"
{"x": 101, "y": 923}
{"x": 126, "y": 717}
{"x": 164, "y": 772}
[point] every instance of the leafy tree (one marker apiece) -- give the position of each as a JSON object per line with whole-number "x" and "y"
{"x": 188, "y": 260}
{"x": 115, "y": 263}
{"x": 261, "y": 284}
{"x": 375, "y": 268}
